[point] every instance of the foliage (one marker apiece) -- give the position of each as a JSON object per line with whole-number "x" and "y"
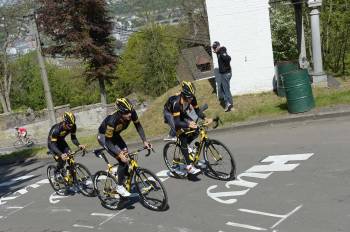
{"x": 67, "y": 86}
{"x": 149, "y": 62}
{"x": 81, "y": 29}
{"x": 335, "y": 22}
{"x": 284, "y": 40}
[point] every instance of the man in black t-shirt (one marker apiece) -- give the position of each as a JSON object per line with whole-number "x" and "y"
{"x": 225, "y": 74}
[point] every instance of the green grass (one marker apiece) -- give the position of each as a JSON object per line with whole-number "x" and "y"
{"x": 247, "y": 107}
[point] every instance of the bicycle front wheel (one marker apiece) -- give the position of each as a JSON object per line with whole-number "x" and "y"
{"x": 152, "y": 192}
{"x": 18, "y": 143}
{"x": 84, "y": 181}
{"x": 56, "y": 179}
{"x": 174, "y": 159}
{"x": 106, "y": 189}
{"x": 219, "y": 160}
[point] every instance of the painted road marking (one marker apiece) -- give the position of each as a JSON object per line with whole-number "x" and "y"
{"x": 102, "y": 214}
{"x": 14, "y": 180}
{"x": 245, "y": 226}
{"x": 83, "y": 226}
{"x": 18, "y": 193}
{"x": 60, "y": 210}
{"x": 17, "y": 208}
{"x": 282, "y": 216}
{"x": 278, "y": 164}
{"x": 54, "y": 198}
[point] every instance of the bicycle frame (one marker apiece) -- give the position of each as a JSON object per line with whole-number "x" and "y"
{"x": 133, "y": 166}
{"x": 203, "y": 137}
{"x": 71, "y": 170}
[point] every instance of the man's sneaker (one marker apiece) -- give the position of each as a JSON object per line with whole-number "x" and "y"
{"x": 192, "y": 170}
{"x": 228, "y": 107}
{"x": 122, "y": 191}
{"x": 170, "y": 138}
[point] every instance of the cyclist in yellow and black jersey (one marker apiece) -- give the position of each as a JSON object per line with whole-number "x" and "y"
{"x": 56, "y": 139}
{"x": 176, "y": 116}
{"x": 109, "y": 137}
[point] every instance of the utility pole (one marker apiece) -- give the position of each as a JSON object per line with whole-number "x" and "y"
{"x": 47, "y": 91}
{"x": 318, "y": 75}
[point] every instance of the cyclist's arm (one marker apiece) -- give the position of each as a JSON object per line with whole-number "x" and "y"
{"x": 196, "y": 108}
{"x": 138, "y": 126}
{"x": 73, "y": 136}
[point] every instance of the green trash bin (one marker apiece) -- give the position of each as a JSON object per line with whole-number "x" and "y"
{"x": 283, "y": 68}
{"x": 298, "y": 91}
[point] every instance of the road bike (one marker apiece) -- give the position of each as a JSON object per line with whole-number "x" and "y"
{"x": 218, "y": 161}
{"x": 149, "y": 187}
{"x": 24, "y": 141}
{"x": 73, "y": 175}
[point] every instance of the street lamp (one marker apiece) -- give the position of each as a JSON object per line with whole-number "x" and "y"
{"x": 318, "y": 75}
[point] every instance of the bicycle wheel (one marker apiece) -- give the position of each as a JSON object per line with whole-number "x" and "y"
{"x": 56, "y": 180}
{"x": 105, "y": 185}
{"x": 219, "y": 160}
{"x": 174, "y": 160}
{"x": 83, "y": 180}
{"x": 152, "y": 192}
{"x": 18, "y": 143}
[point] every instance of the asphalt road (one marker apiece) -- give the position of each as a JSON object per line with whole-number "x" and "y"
{"x": 292, "y": 177}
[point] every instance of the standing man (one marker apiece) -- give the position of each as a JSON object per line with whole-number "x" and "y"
{"x": 225, "y": 74}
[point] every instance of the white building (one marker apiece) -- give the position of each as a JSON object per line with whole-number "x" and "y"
{"x": 243, "y": 27}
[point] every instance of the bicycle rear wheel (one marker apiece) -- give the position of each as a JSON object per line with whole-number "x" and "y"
{"x": 174, "y": 159}
{"x": 220, "y": 160}
{"x": 106, "y": 189}
{"x": 152, "y": 192}
{"x": 56, "y": 179}
{"x": 83, "y": 180}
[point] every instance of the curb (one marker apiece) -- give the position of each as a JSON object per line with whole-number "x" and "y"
{"x": 271, "y": 121}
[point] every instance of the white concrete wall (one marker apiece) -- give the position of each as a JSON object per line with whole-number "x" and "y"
{"x": 243, "y": 27}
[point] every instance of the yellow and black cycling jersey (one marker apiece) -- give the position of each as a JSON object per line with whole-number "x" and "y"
{"x": 58, "y": 134}
{"x": 178, "y": 109}
{"x": 114, "y": 124}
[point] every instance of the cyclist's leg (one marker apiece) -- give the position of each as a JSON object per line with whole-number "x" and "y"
{"x": 169, "y": 119}
{"x": 122, "y": 167}
{"x": 184, "y": 148}
{"x": 60, "y": 162}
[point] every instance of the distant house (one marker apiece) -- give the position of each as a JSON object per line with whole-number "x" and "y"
{"x": 194, "y": 64}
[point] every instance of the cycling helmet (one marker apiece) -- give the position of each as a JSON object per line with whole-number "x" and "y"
{"x": 69, "y": 118}
{"x": 188, "y": 89}
{"x": 123, "y": 105}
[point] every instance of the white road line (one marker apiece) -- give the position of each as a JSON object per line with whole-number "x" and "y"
{"x": 83, "y": 226}
{"x": 108, "y": 219}
{"x": 60, "y": 210}
{"x": 261, "y": 213}
{"x": 245, "y": 226}
{"x": 14, "y": 180}
{"x": 163, "y": 175}
{"x": 19, "y": 208}
{"x": 1, "y": 217}
{"x": 102, "y": 214}
{"x": 286, "y": 216}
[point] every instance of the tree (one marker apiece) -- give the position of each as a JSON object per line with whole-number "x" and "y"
{"x": 81, "y": 29}
{"x": 148, "y": 63}
{"x": 284, "y": 39}
{"x": 335, "y": 24}
{"x": 10, "y": 30}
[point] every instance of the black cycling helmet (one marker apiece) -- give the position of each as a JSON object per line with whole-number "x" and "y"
{"x": 69, "y": 118}
{"x": 123, "y": 105}
{"x": 188, "y": 89}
